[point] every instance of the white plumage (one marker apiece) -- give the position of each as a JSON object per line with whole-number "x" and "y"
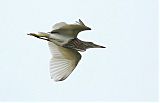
{"x": 63, "y": 61}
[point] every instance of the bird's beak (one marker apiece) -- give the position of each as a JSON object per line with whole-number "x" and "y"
{"x": 88, "y": 28}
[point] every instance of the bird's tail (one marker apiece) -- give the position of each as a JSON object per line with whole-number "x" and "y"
{"x": 40, "y": 35}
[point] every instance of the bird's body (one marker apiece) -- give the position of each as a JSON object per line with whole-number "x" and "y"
{"x": 69, "y": 30}
{"x": 59, "y": 39}
{"x": 64, "y": 46}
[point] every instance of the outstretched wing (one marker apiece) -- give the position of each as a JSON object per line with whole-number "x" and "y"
{"x": 63, "y": 61}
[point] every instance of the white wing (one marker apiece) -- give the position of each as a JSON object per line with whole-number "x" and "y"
{"x": 63, "y": 61}
{"x": 58, "y": 25}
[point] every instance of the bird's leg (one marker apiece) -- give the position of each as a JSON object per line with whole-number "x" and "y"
{"x": 40, "y": 35}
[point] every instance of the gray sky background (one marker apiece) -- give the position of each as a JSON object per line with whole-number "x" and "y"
{"x": 126, "y": 70}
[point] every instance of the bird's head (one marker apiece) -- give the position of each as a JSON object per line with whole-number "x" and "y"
{"x": 80, "y": 26}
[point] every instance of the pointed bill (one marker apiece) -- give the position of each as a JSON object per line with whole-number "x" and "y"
{"x": 63, "y": 61}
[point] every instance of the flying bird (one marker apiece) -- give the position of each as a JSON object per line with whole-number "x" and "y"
{"x": 65, "y": 46}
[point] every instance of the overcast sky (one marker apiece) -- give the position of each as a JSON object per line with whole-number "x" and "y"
{"x": 126, "y": 70}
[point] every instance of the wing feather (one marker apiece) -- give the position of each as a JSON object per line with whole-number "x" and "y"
{"x": 63, "y": 61}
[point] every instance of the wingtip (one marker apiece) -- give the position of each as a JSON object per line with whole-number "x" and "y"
{"x": 58, "y": 80}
